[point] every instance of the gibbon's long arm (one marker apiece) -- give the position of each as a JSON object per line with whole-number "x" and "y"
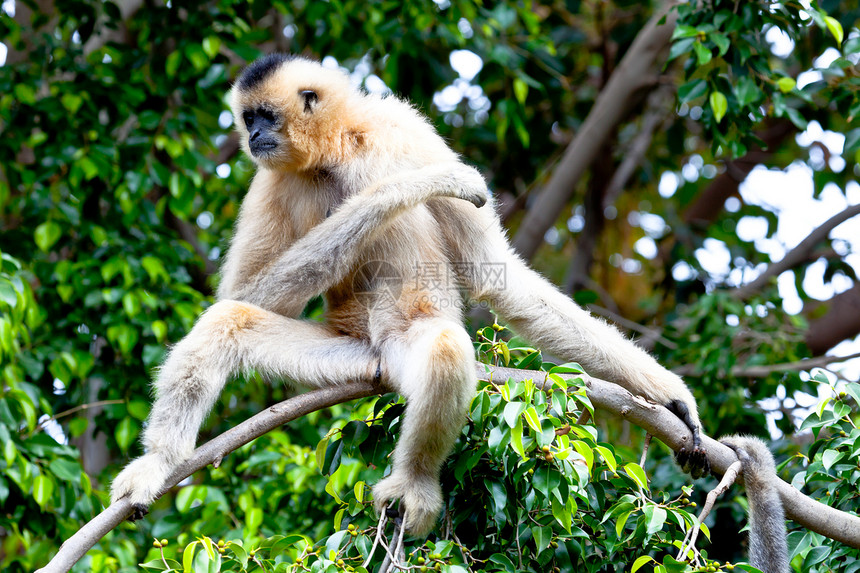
{"x": 535, "y": 309}
{"x": 326, "y": 254}
{"x": 768, "y": 543}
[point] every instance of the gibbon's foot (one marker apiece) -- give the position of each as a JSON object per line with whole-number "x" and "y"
{"x": 393, "y": 513}
{"x": 138, "y": 512}
{"x": 420, "y": 500}
{"x": 694, "y": 460}
{"x": 141, "y": 481}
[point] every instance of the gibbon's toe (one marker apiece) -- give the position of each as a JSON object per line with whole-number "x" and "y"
{"x": 421, "y": 501}
{"x": 694, "y": 462}
{"x": 138, "y": 512}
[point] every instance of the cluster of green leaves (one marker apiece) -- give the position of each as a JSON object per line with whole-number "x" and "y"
{"x": 830, "y": 473}
{"x": 731, "y": 74}
{"x": 42, "y": 486}
{"x": 761, "y": 330}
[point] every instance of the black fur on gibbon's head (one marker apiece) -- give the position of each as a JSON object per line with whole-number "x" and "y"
{"x": 262, "y": 68}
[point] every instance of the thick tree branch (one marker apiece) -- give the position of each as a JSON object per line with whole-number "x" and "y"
{"x": 638, "y": 69}
{"x": 840, "y": 322}
{"x": 656, "y": 420}
{"x": 798, "y": 254}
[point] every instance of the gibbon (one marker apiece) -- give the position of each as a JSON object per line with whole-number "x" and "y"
{"x": 768, "y": 543}
{"x": 356, "y": 196}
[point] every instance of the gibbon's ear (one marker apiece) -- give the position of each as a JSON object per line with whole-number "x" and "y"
{"x": 311, "y": 98}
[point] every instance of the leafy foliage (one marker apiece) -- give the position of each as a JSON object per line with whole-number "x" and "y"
{"x": 119, "y": 183}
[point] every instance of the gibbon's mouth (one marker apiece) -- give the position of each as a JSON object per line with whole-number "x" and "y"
{"x": 262, "y": 147}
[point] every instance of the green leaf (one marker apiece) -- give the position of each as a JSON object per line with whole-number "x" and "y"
{"x": 852, "y": 142}
{"x": 607, "y": 456}
{"x": 188, "y": 557}
{"x": 253, "y": 519}
{"x": 786, "y": 84}
{"x": 680, "y": 47}
{"x": 656, "y": 517}
{"x": 747, "y": 92}
{"x": 533, "y": 419}
{"x": 561, "y": 514}
{"x": 211, "y": 45}
{"x": 125, "y": 433}
{"x": 586, "y": 452}
{"x": 332, "y": 457}
{"x": 796, "y": 118}
{"x": 521, "y": 90}
{"x": 692, "y": 90}
{"x": 703, "y": 53}
{"x": 512, "y": 412}
{"x": 66, "y": 469}
{"x": 721, "y": 41}
{"x": 638, "y": 474}
{"x": 8, "y": 294}
{"x": 542, "y": 536}
{"x": 835, "y": 28}
{"x": 172, "y": 63}
{"x": 355, "y": 432}
{"x": 719, "y": 104}
{"x": 43, "y": 489}
{"x": 830, "y": 457}
{"x": 640, "y": 562}
{"x": 684, "y": 31}
{"x": 46, "y": 235}
{"x": 517, "y": 439}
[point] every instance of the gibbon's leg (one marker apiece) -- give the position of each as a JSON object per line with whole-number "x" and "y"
{"x": 535, "y": 309}
{"x": 433, "y": 367}
{"x": 229, "y": 338}
{"x": 326, "y": 254}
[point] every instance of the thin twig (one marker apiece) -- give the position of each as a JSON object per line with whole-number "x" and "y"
{"x": 689, "y": 543}
{"x": 767, "y": 369}
{"x": 70, "y": 411}
{"x": 379, "y": 530}
{"x": 648, "y": 438}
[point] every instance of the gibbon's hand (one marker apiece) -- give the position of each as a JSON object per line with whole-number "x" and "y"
{"x": 473, "y": 187}
{"x": 413, "y": 187}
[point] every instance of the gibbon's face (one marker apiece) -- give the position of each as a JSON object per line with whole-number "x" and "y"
{"x": 289, "y": 112}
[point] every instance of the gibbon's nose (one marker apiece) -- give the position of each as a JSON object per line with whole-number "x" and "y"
{"x": 255, "y": 133}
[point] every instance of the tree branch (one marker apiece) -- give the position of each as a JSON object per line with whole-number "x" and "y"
{"x": 636, "y": 70}
{"x": 840, "y": 322}
{"x": 655, "y": 419}
{"x": 761, "y": 371}
{"x": 798, "y": 254}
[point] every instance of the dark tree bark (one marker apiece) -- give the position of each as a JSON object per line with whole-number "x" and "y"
{"x": 840, "y": 322}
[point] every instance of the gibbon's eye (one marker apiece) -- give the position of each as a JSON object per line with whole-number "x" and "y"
{"x": 248, "y": 118}
{"x": 310, "y": 98}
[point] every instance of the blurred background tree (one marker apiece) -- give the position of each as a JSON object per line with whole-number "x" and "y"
{"x": 691, "y": 176}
